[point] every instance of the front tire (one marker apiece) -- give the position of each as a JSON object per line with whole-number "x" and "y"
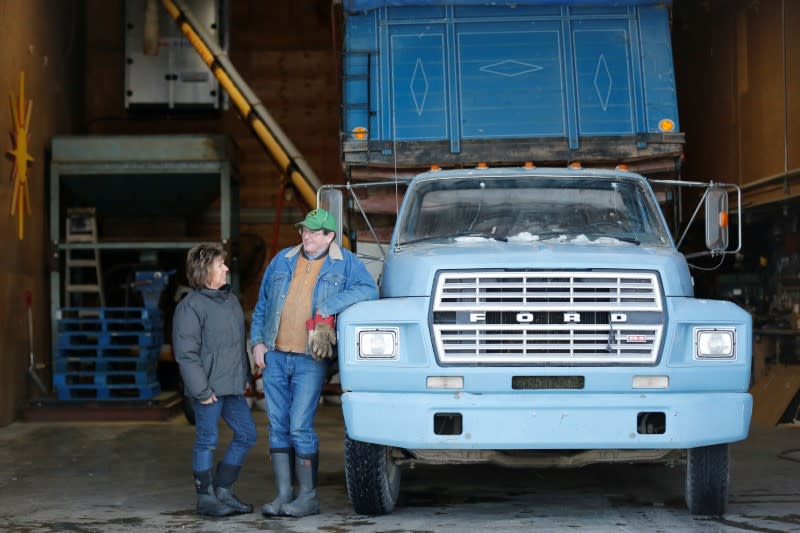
{"x": 707, "y": 479}
{"x": 373, "y": 480}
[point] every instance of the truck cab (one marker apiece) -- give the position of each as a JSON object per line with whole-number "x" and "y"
{"x": 539, "y": 317}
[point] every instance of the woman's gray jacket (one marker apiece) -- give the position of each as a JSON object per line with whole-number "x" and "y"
{"x": 208, "y": 341}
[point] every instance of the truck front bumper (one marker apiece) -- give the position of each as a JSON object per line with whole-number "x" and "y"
{"x": 546, "y": 421}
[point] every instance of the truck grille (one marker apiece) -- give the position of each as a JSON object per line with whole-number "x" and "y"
{"x": 547, "y": 317}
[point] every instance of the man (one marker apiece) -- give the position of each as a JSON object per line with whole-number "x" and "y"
{"x": 293, "y": 335}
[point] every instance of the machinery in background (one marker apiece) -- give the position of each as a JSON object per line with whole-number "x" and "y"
{"x": 146, "y": 195}
{"x": 162, "y": 69}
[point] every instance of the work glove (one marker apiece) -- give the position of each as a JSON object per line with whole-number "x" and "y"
{"x": 321, "y": 337}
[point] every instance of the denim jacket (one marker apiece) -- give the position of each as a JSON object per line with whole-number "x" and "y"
{"x": 342, "y": 281}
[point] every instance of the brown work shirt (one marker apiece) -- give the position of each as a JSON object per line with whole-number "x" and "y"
{"x": 292, "y": 331}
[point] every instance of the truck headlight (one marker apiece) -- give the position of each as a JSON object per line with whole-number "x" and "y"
{"x": 714, "y": 343}
{"x": 378, "y": 343}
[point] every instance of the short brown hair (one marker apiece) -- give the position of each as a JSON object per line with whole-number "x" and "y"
{"x": 199, "y": 261}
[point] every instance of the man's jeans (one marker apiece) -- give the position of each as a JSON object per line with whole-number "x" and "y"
{"x": 293, "y": 383}
{"x": 236, "y": 413}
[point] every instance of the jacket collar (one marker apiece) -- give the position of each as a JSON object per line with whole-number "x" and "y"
{"x": 217, "y": 294}
{"x": 334, "y": 252}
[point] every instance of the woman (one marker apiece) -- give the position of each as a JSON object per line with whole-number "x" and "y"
{"x": 208, "y": 340}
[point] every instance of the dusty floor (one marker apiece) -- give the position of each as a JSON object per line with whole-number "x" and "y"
{"x": 136, "y": 476}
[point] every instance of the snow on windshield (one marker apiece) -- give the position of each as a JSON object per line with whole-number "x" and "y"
{"x": 525, "y": 237}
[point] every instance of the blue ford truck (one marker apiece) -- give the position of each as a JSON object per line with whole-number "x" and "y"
{"x": 534, "y": 308}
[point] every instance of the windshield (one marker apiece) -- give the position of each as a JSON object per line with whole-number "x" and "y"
{"x": 519, "y": 209}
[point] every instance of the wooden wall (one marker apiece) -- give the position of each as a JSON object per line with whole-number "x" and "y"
{"x": 738, "y": 72}
{"x": 43, "y": 39}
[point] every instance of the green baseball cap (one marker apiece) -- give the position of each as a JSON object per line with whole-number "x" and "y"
{"x": 318, "y": 219}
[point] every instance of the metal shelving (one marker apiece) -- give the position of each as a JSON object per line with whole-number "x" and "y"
{"x": 141, "y": 178}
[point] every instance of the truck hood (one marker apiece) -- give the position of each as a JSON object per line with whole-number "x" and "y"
{"x": 411, "y": 270}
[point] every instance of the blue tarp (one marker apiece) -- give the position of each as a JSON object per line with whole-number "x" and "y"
{"x": 365, "y": 5}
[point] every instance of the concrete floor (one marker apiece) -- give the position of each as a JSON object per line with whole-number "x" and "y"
{"x": 136, "y": 476}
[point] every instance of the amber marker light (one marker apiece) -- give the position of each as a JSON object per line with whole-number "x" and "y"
{"x": 622, "y": 167}
{"x": 723, "y": 219}
{"x": 360, "y": 133}
{"x": 435, "y": 167}
{"x": 529, "y": 164}
{"x": 575, "y": 165}
{"x": 666, "y": 125}
{"x": 482, "y": 165}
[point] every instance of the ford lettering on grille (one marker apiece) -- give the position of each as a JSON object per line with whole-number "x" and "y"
{"x": 548, "y": 317}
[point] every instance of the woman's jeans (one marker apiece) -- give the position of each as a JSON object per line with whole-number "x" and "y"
{"x": 293, "y": 383}
{"x": 236, "y": 413}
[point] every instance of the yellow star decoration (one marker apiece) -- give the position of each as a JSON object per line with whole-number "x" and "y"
{"x": 21, "y": 115}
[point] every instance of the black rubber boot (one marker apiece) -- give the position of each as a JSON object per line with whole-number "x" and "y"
{"x": 207, "y": 502}
{"x": 282, "y": 472}
{"x": 223, "y": 483}
{"x": 307, "y": 501}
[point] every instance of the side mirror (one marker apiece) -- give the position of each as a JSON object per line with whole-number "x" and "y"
{"x": 332, "y": 201}
{"x": 717, "y": 220}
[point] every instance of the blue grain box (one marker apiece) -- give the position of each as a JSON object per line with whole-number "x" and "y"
{"x": 549, "y": 81}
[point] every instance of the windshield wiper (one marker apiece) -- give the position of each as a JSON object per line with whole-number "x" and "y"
{"x": 547, "y": 235}
{"x": 554, "y": 234}
{"x": 457, "y": 234}
{"x": 631, "y": 240}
